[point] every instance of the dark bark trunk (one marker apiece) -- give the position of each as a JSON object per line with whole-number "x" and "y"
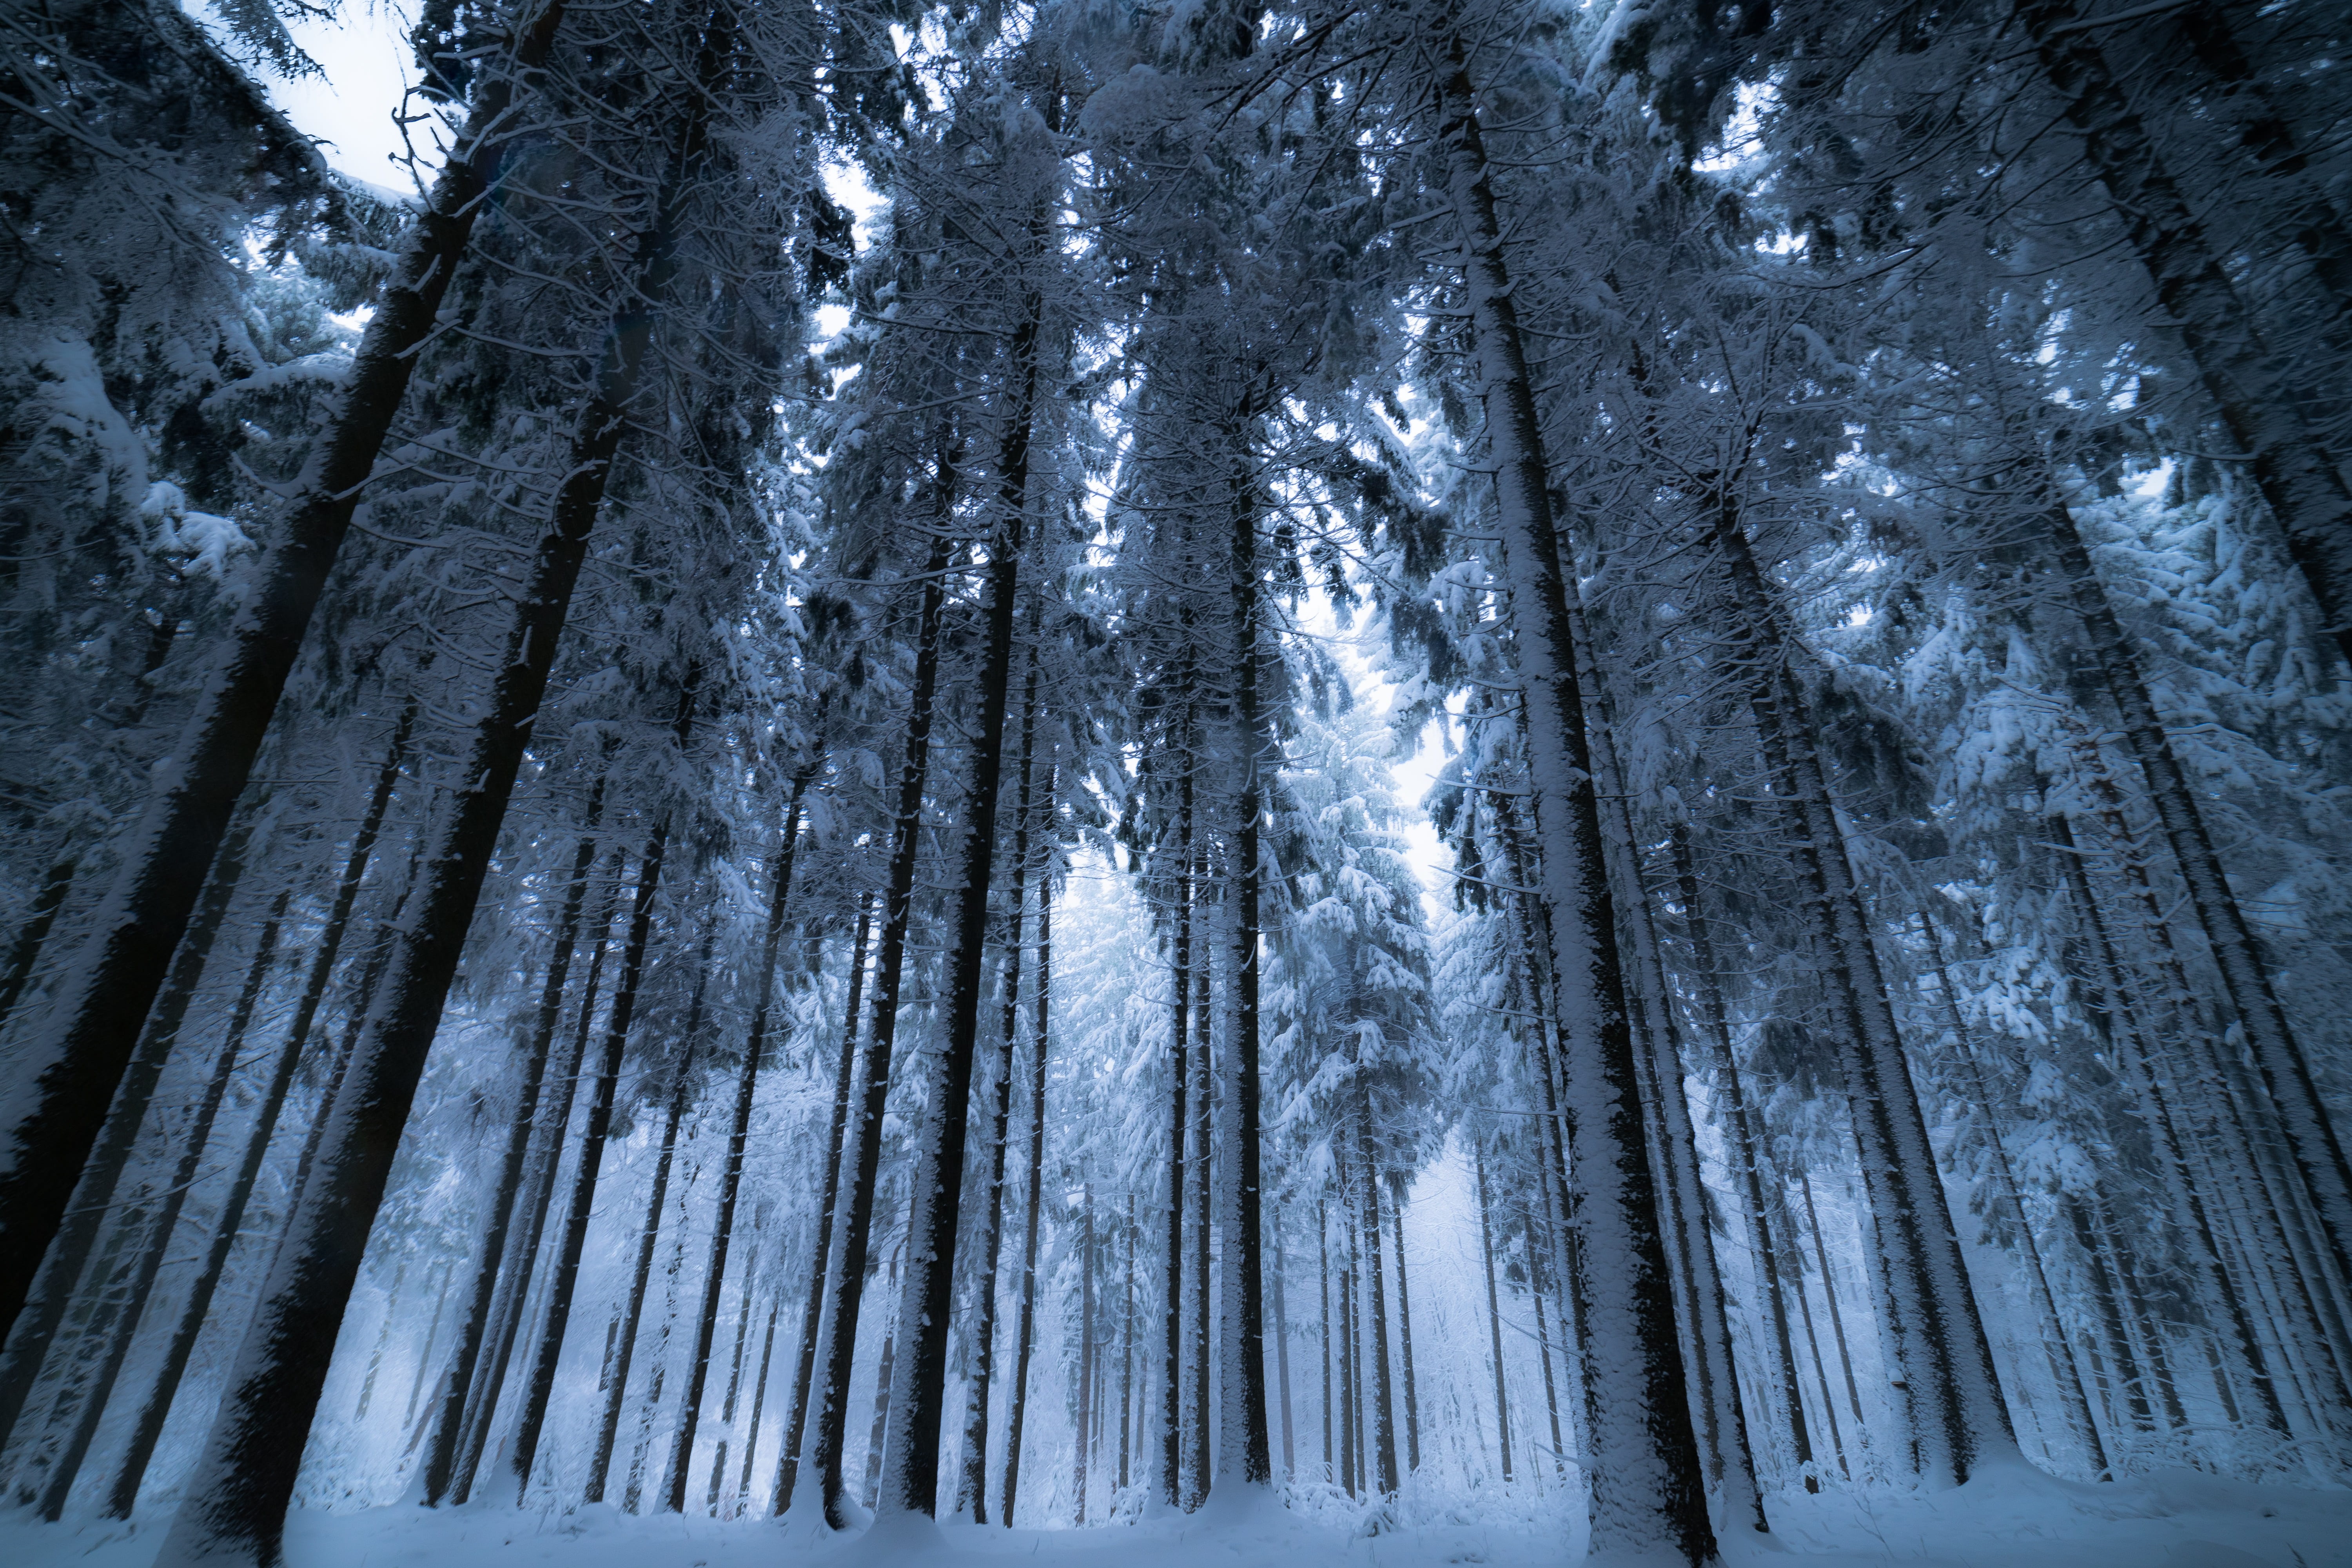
{"x": 734, "y": 1387}
{"x": 2063, "y": 1369}
{"x": 1018, "y": 1396}
{"x": 759, "y": 1404}
{"x": 86, "y": 1042}
{"x": 1647, "y": 1481}
{"x": 1830, "y": 1297}
{"x": 382, "y": 1344}
{"x": 1197, "y": 1419}
{"x": 1246, "y": 1456}
{"x": 972, "y": 1489}
{"x": 788, "y": 1463}
{"x": 846, "y": 1283}
{"x": 538, "y": 1199}
{"x": 157, "y": 1245}
{"x": 1494, "y": 1316}
{"x": 237, "y": 1503}
{"x": 1282, "y": 1353}
{"x": 565, "y": 1277}
{"x": 935, "y": 1203}
{"x": 2244, "y": 378}
{"x": 1086, "y": 1352}
{"x": 424, "y": 1357}
{"x": 1376, "y": 1350}
{"x": 1543, "y": 1349}
{"x": 633, "y": 1304}
{"x": 1948, "y": 1382}
{"x": 1351, "y": 1467}
{"x": 1404, "y": 1344}
{"x": 39, "y": 1325}
{"x": 1126, "y": 1350}
{"x": 1747, "y": 1151}
{"x": 440, "y": 1458}
{"x": 731, "y": 1179}
{"x": 1180, "y": 1042}
{"x": 2303, "y": 1120}
{"x": 1323, "y": 1275}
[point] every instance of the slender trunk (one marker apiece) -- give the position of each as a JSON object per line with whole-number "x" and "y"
{"x": 759, "y": 1402}
{"x": 1244, "y": 1454}
{"x": 1829, "y": 1295}
{"x": 1404, "y": 1343}
{"x": 1494, "y": 1315}
{"x": 1282, "y": 1353}
{"x": 157, "y": 1245}
{"x": 971, "y": 1489}
{"x": 38, "y": 1326}
{"x": 424, "y": 1357}
{"x": 1085, "y": 1352}
{"x": 730, "y": 1178}
{"x": 1323, "y": 1275}
{"x": 1647, "y": 1486}
{"x": 2303, "y": 1120}
{"x": 1376, "y": 1351}
{"x": 540, "y": 1386}
{"x": 935, "y": 1203}
{"x": 2304, "y": 488}
{"x": 1944, "y": 1362}
{"x": 506, "y": 1314}
{"x": 846, "y": 1284}
{"x": 734, "y": 1387}
{"x": 1543, "y": 1347}
{"x": 382, "y": 1344}
{"x": 788, "y": 1463}
{"x": 440, "y": 1457}
{"x": 2102, "y": 1291}
{"x": 878, "y": 1427}
{"x": 1196, "y": 1287}
{"x": 1180, "y": 1042}
{"x": 246, "y": 1478}
{"x": 1018, "y": 1396}
{"x": 1350, "y": 1469}
{"x": 633, "y": 1304}
{"x": 641, "y": 1450}
{"x": 2141, "y": 1074}
{"x": 2063, "y": 1369}
{"x": 86, "y": 1041}
{"x": 1127, "y": 1350}
{"x": 1746, "y": 1146}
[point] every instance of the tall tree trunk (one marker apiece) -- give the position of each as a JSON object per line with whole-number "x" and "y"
{"x": 734, "y": 1387}
{"x": 846, "y": 1285}
{"x": 538, "y": 1198}
{"x": 1647, "y": 1490}
{"x": 633, "y": 1304}
{"x": 44, "y": 1314}
{"x": 1404, "y": 1343}
{"x": 1543, "y": 1348}
{"x": 440, "y": 1457}
{"x": 878, "y": 1429}
{"x": 1350, "y": 1429}
{"x": 1085, "y": 1352}
{"x": 1376, "y": 1349}
{"x": 759, "y": 1402}
{"x": 1323, "y": 1275}
{"x": 1830, "y": 1298}
{"x": 788, "y": 1463}
{"x": 1282, "y": 1353}
{"x": 2303, "y": 1120}
{"x": 971, "y": 1489}
{"x": 1948, "y": 1383}
{"x": 424, "y": 1357}
{"x": 1196, "y": 1286}
{"x": 2247, "y": 383}
{"x": 147, "y": 1429}
{"x": 935, "y": 1203}
{"x": 2063, "y": 1368}
{"x": 730, "y": 1178}
{"x": 237, "y": 1503}
{"x": 539, "y": 1387}
{"x": 1244, "y": 1455}
{"x": 1127, "y": 1350}
{"x": 157, "y": 1245}
{"x": 1746, "y": 1148}
{"x": 1494, "y": 1314}
{"x": 86, "y": 1041}
{"x": 1018, "y": 1396}
{"x": 1180, "y": 1042}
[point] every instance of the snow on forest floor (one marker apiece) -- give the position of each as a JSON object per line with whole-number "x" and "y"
{"x": 2174, "y": 1519}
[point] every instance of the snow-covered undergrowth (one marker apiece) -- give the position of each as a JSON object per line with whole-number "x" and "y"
{"x": 2016, "y": 1520}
